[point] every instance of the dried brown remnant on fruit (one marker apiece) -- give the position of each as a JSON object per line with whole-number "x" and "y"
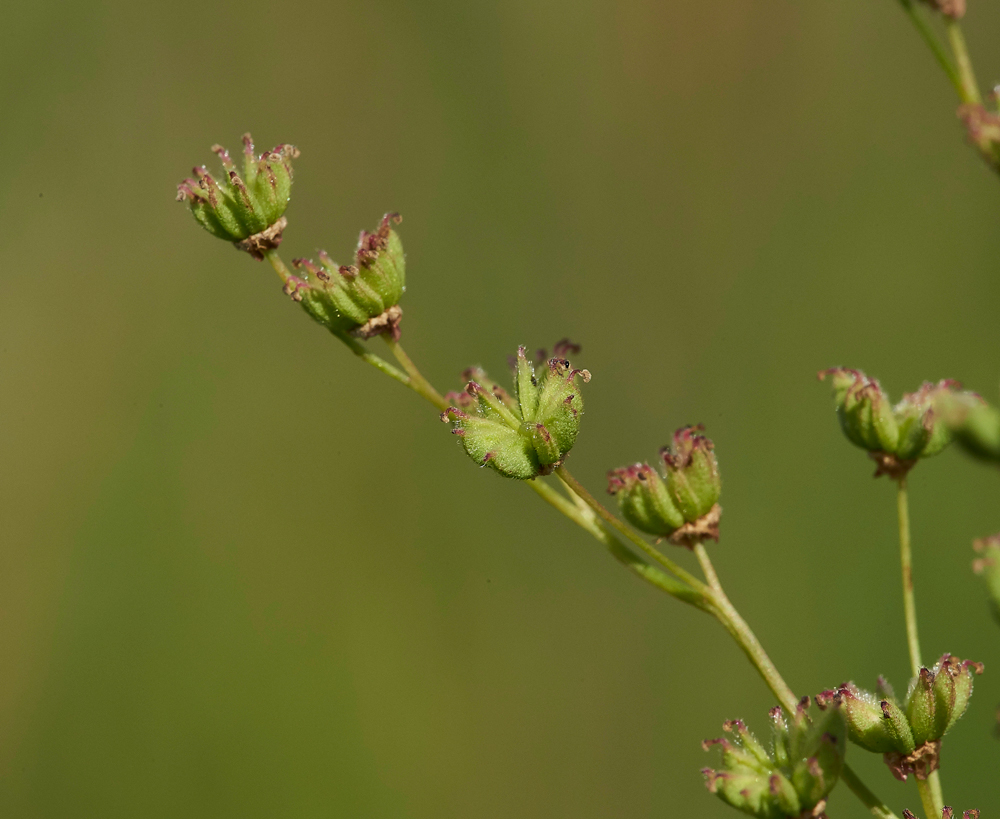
{"x": 384, "y": 323}
{"x": 921, "y": 763}
{"x": 707, "y": 526}
{"x": 887, "y": 464}
{"x": 268, "y": 239}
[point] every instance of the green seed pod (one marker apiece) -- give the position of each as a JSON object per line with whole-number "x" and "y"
{"x": 644, "y": 500}
{"x": 922, "y": 430}
{"x": 895, "y": 436}
{"x": 793, "y": 778}
{"x": 876, "y": 725}
{"x": 692, "y": 472}
{"x": 863, "y": 410}
{"x": 951, "y": 686}
{"x": 920, "y": 711}
{"x": 526, "y": 436}
{"x": 361, "y": 299}
{"x": 974, "y": 424}
{"x": 247, "y": 210}
{"x": 683, "y": 505}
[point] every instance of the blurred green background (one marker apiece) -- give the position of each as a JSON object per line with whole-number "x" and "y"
{"x": 242, "y": 575}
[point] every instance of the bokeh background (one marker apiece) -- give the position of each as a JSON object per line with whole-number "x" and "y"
{"x": 242, "y": 575}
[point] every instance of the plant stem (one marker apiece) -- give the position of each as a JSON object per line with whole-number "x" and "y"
{"x": 725, "y": 612}
{"x": 279, "y": 267}
{"x": 968, "y": 88}
{"x": 611, "y": 520}
{"x": 927, "y": 798}
{"x": 588, "y": 521}
{"x": 869, "y": 799}
{"x": 936, "y": 796}
{"x": 377, "y": 362}
{"x": 416, "y": 382}
{"x": 706, "y": 566}
{"x": 934, "y": 44}
{"x": 930, "y": 790}
{"x": 906, "y": 564}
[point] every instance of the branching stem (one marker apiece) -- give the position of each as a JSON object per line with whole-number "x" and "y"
{"x": 611, "y": 520}
{"x": 589, "y": 514}
{"x": 416, "y": 382}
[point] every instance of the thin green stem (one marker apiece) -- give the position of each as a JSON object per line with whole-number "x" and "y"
{"x": 279, "y": 267}
{"x": 678, "y": 571}
{"x": 416, "y": 382}
{"x": 937, "y": 797}
{"x": 930, "y": 790}
{"x": 376, "y": 361}
{"x": 870, "y": 800}
{"x": 725, "y": 612}
{"x": 935, "y": 45}
{"x": 927, "y": 798}
{"x": 968, "y": 88}
{"x": 906, "y": 565}
{"x": 587, "y": 520}
{"x": 706, "y": 566}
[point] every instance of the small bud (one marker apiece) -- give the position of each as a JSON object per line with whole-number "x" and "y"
{"x": 682, "y": 506}
{"x": 974, "y": 424}
{"x": 362, "y": 298}
{"x": 246, "y": 210}
{"x": 793, "y": 778}
{"x": 895, "y": 436}
{"x": 988, "y": 567}
{"x": 526, "y": 435}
